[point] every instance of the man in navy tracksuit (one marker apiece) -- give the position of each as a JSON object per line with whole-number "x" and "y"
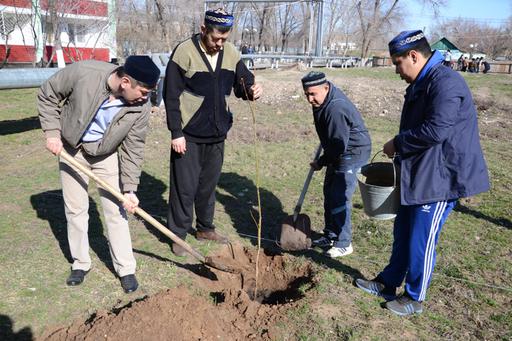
{"x": 347, "y": 145}
{"x": 438, "y": 149}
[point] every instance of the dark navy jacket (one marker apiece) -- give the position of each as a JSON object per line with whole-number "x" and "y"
{"x": 438, "y": 142}
{"x": 340, "y": 127}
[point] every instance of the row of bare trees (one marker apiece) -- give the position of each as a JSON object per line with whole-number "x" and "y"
{"x": 356, "y": 27}
{"x": 158, "y": 25}
{"x": 350, "y": 26}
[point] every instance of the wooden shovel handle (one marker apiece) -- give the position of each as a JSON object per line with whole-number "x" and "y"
{"x": 138, "y": 210}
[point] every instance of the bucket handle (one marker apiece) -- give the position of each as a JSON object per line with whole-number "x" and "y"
{"x": 392, "y": 162}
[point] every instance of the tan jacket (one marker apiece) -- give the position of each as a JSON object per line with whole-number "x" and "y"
{"x": 67, "y": 104}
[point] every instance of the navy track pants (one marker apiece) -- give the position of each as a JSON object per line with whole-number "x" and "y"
{"x": 416, "y": 232}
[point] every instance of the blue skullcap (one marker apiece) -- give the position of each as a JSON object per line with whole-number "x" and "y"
{"x": 142, "y": 69}
{"x": 218, "y": 18}
{"x": 405, "y": 41}
{"x": 313, "y": 78}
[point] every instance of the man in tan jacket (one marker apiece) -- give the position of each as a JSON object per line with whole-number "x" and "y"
{"x": 98, "y": 112}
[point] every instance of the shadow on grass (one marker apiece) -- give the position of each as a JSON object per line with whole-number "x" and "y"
{"x": 8, "y": 334}
{"x": 198, "y": 268}
{"x": 239, "y": 203}
{"x": 496, "y": 221}
{"x": 8, "y": 127}
{"x": 50, "y": 206}
{"x": 150, "y": 193}
{"x": 330, "y": 263}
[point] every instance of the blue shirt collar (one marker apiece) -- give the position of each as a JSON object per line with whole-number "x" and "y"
{"x": 434, "y": 59}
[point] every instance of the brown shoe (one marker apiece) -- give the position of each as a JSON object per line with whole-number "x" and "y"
{"x": 178, "y": 250}
{"x": 211, "y": 235}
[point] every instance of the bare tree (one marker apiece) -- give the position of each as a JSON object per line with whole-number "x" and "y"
{"x": 305, "y": 32}
{"x": 8, "y": 24}
{"x": 334, "y": 14}
{"x": 287, "y": 23}
{"x": 373, "y": 15}
{"x": 155, "y": 25}
{"x": 262, "y": 15}
{"x": 340, "y": 23}
{"x": 376, "y": 16}
{"x": 472, "y": 36}
{"x": 160, "y": 15}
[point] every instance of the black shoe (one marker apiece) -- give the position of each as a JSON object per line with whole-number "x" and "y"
{"x": 76, "y": 277}
{"x": 129, "y": 283}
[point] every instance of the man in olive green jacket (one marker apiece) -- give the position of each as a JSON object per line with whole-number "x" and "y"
{"x": 98, "y": 112}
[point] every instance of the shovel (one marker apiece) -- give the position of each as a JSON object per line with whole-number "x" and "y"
{"x": 205, "y": 260}
{"x": 296, "y": 228}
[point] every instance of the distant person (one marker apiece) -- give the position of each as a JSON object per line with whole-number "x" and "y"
{"x": 448, "y": 58}
{"x": 464, "y": 64}
{"x": 200, "y": 76}
{"x": 245, "y": 49}
{"x": 478, "y": 62}
{"x": 98, "y": 112}
{"x": 346, "y": 147}
{"x": 250, "y": 50}
{"x": 441, "y": 160}
{"x": 472, "y": 65}
{"x": 459, "y": 63}
{"x": 486, "y": 65}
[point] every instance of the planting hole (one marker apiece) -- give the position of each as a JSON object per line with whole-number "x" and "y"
{"x": 287, "y": 292}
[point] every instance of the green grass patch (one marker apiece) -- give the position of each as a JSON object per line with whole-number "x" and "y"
{"x": 473, "y": 259}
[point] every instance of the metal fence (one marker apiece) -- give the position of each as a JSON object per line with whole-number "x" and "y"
{"x": 34, "y": 77}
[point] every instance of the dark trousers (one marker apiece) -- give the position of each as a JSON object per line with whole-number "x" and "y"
{"x": 193, "y": 178}
{"x": 339, "y": 186}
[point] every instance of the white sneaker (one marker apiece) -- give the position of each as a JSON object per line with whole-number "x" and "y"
{"x": 335, "y": 252}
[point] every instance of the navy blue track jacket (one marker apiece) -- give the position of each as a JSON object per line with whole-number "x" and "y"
{"x": 340, "y": 127}
{"x": 438, "y": 141}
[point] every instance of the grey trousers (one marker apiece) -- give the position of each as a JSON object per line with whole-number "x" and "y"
{"x": 76, "y": 205}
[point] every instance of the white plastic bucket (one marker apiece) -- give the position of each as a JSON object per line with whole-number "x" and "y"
{"x": 380, "y": 190}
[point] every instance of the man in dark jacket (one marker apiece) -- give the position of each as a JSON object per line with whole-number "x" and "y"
{"x": 438, "y": 149}
{"x": 99, "y": 112}
{"x": 347, "y": 146}
{"x": 199, "y": 78}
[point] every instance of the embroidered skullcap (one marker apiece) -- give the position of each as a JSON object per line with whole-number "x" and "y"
{"x": 313, "y": 78}
{"x": 218, "y": 17}
{"x": 406, "y": 40}
{"x": 142, "y": 69}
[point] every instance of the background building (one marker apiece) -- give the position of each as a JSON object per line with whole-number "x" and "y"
{"x": 46, "y": 31}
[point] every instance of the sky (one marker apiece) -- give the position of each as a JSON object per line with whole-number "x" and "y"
{"x": 492, "y": 12}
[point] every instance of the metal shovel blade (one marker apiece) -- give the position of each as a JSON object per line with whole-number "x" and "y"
{"x": 296, "y": 235}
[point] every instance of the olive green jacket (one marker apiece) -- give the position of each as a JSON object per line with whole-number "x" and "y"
{"x": 67, "y": 104}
